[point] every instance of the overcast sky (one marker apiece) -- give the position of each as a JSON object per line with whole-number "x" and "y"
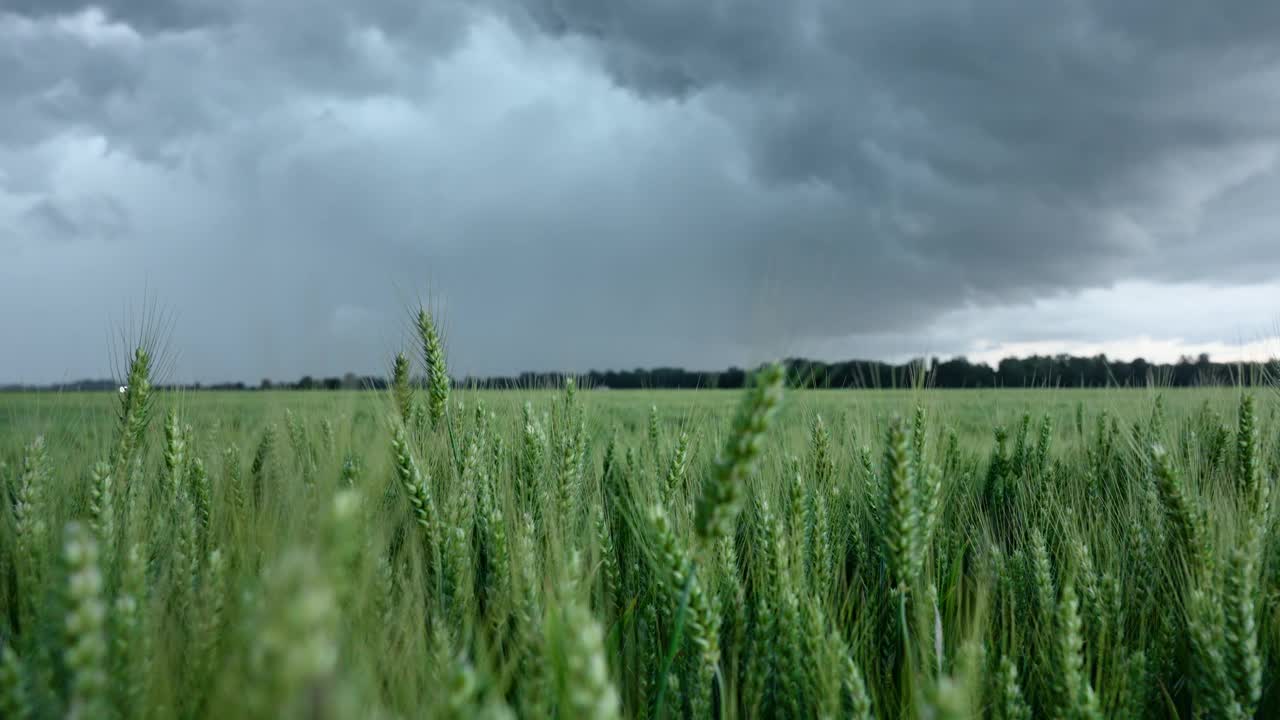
{"x": 580, "y": 184}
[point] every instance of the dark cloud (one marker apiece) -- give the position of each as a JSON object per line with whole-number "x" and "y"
{"x": 608, "y": 184}
{"x": 49, "y": 219}
{"x": 146, "y": 15}
{"x": 961, "y": 112}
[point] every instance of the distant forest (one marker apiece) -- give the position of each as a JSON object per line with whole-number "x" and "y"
{"x": 1037, "y": 371}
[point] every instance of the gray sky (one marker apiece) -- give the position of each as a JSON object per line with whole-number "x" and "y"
{"x": 581, "y": 184}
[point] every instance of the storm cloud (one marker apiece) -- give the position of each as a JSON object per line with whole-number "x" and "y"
{"x": 581, "y": 184}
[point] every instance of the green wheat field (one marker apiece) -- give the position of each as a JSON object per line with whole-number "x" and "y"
{"x": 436, "y": 552}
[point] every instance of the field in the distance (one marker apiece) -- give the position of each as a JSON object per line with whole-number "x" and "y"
{"x": 1107, "y": 553}
{"x": 971, "y": 413}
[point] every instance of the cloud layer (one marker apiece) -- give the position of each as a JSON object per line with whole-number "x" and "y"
{"x": 584, "y": 184}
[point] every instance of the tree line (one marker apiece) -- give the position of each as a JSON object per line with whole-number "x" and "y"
{"x": 1036, "y": 371}
{"x": 1030, "y": 372}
